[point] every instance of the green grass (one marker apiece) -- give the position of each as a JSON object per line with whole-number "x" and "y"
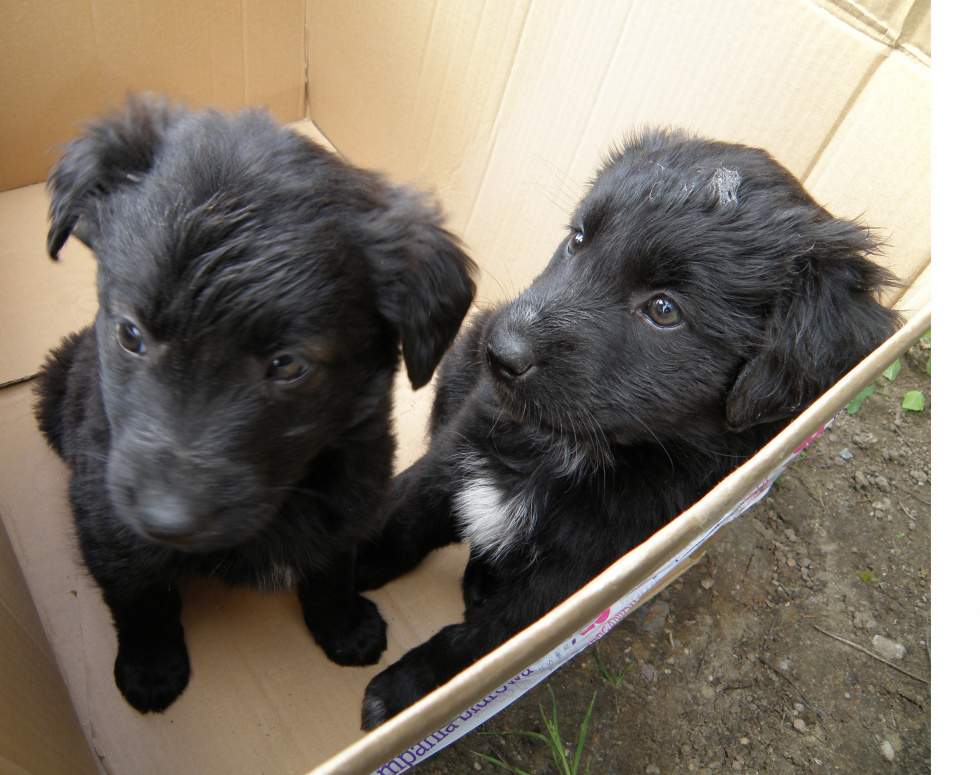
{"x": 606, "y": 675}
{"x": 552, "y": 739}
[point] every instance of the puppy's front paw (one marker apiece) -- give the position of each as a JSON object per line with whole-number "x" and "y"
{"x": 355, "y": 638}
{"x": 394, "y": 689}
{"x": 151, "y": 677}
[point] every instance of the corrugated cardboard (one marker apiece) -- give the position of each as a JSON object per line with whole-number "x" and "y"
{"x": 503, "y": 110}
{"x": 40, "y": 731}
{"x": 496, "y": 141}
{"x": 64, "y": 61}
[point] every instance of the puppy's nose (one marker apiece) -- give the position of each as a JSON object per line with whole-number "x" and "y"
{"x": 166, "y": 518}
{"x": 509, "y": 355}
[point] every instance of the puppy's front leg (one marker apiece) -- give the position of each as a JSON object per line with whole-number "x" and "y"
{"x": 511, "y": 607}
{"x": 418, "y": 520}
{"x": 346, "y": 625}
{"x": 152, "y": 666}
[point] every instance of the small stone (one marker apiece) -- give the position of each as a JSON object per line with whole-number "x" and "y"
{"x": 882, "y": 484}
{"x": 860, "y": 479}
{"x": 864, "y": 440}
{"x": 708, "y": 692}
{"x": 477, "y": 766}
{"x": 887, "y": 751}
{"x": 887, "y": 648}
{"x": 652, "y": 769}
{"x": 707, "y": 583}
{"x": 846, "y": 454}
{"x": 656, "y": 616}
{"x": 864, "y": 620}
{"x": 743, "y": 740}
{"x": 799, "y": 725}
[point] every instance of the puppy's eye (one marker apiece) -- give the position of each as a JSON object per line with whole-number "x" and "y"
{"x": 287, "y": 368}
{"x": 575, "y": 242}
{"x": 130, "y": 338}
{"x": 663, "y": 312}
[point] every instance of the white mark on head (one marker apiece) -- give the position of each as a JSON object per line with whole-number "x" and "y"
{"x": 725, "y": 183}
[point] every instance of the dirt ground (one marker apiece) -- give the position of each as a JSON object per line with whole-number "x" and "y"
{"x": 800, "y": 643}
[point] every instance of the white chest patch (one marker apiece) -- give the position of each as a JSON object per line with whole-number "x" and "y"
{"x": 491, "y": 521}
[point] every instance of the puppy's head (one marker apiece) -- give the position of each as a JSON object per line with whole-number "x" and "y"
{"x": 700, "y": 293}
{"x": 254, "y": 293}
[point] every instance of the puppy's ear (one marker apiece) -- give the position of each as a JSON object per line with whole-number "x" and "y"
{"x": 112, "y": 152}
{"x": 825, "y": 323}
{"x": 424, "y": 280}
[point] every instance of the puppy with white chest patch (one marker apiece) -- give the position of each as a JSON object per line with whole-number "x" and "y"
{"x": 229, "y": 412}
{"x": 701, "y": 300}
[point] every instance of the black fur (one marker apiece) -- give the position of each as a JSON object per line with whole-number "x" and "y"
{"x": 701, "y": 301}
{"x": 228, "y": 414}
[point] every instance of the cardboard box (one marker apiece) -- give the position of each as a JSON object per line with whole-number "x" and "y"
{"x": 503, "y": 110}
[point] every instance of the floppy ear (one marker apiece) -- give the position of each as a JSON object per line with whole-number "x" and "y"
{"x": 424, "y": 280}
{"x": 823, "y": 326}
{"x": 111, "y": 153}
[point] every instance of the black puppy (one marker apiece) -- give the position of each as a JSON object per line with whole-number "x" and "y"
{"x": 228, "y": 414}
{"x": 701, "y": 300}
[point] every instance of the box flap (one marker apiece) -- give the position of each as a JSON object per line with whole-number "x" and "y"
{"x": 904, "y": 24}
{"x": 890, "y": 188}
{"x": 64, "y": 61}
{"x": 496, "y": 142}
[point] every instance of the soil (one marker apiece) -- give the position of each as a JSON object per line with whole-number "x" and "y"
{"x": 800, "y": 643}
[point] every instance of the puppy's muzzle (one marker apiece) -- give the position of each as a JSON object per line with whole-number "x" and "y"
{"x": 172, "y": 495}
{"x": 509, "y": 353}
{"x": 166, "y": 518}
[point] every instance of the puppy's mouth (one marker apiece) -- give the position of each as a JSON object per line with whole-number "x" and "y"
{"x": 191, "y": 526}
{"x": 513, "y": 400}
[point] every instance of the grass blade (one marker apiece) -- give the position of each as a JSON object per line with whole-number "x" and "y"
{"x": 581, "y": 735}
{"x": 502, "y": 765}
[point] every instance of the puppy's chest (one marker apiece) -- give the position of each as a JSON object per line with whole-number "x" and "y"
{"x": 497, "y": 512}
{"x": 260, "y": 572}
